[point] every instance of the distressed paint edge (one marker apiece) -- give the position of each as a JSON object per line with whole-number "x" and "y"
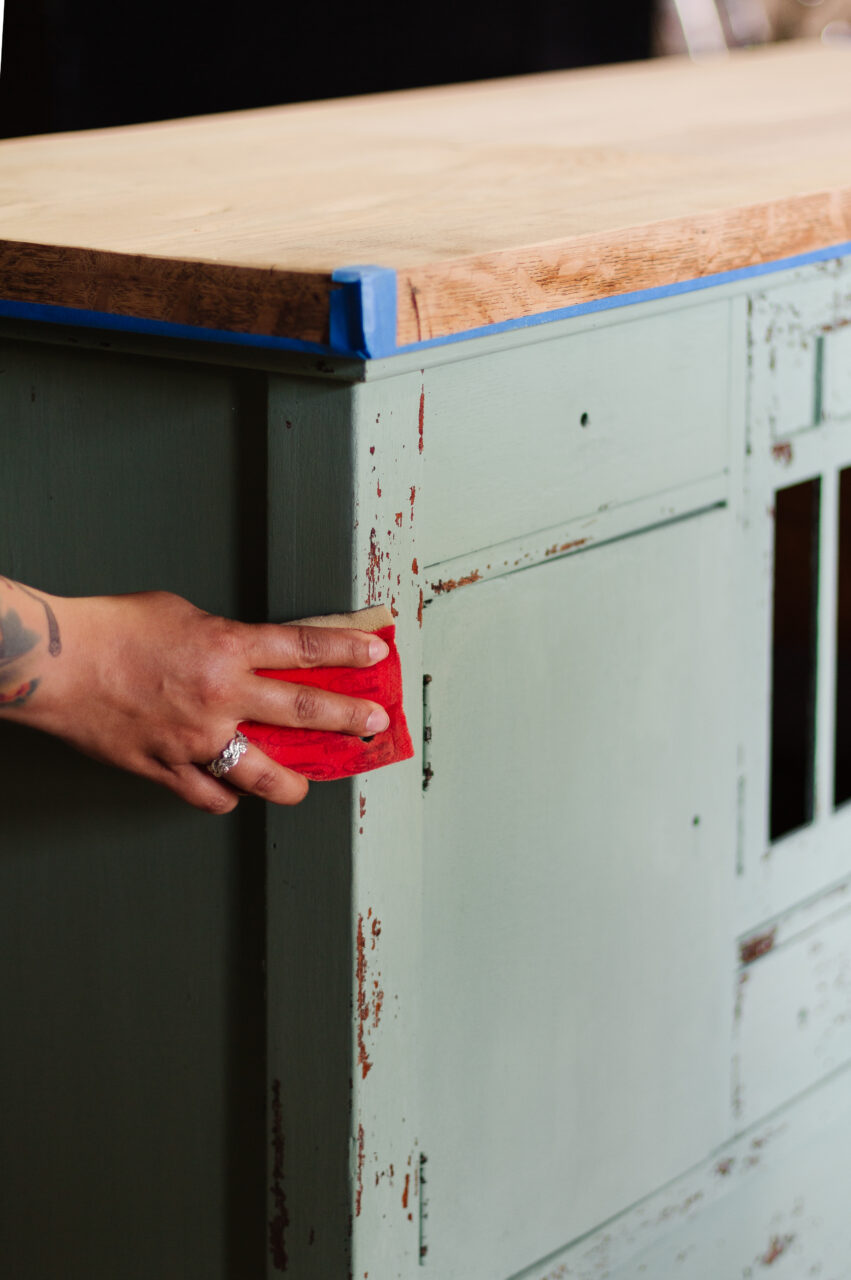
{"x": 363, "y": 313}
{"x": 594, "y": 529}
{"x": 616, "y": 1242}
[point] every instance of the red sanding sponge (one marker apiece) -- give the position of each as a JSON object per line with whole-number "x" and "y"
{"x": 321, "y": 755}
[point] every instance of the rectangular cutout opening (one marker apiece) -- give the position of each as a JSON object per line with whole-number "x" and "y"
{"x": 794, "y": 657}
{"x": 842, "y": 746}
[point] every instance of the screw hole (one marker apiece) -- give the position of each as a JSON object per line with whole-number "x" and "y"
{"x": 584, "y": 420}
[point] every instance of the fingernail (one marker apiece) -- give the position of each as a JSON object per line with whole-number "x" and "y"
{"x": 377, "y": 649}
{"x": 378, "y": 721}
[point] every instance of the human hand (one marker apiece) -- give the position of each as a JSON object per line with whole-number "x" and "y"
{"x": 155, "y": 685}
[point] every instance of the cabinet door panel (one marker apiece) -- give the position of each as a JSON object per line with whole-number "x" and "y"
{"x": 579, "y": 848}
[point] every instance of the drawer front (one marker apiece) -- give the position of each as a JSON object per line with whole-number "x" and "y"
{"x": 801, "y": 353}
{"x": 543, "y": 434}
{"x": 836, "y": 392}
{"x": 793, "y": 1021}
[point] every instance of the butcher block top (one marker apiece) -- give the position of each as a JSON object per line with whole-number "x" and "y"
{"x": 488, "y": 204}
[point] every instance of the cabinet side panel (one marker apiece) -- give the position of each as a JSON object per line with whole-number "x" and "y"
{"x": 131, "y": 926}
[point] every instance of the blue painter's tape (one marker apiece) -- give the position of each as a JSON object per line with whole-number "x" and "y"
{"x": 159, "y": 328}
{"x": 642, "y": 295}
{"x": 362, "y": 314}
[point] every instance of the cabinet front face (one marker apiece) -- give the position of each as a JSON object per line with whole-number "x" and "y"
{"x": 579, "y": 840}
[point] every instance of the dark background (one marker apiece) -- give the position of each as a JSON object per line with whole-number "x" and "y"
{"x": 78, "y": 64}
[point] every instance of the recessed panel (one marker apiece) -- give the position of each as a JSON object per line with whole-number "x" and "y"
{"x": 579, "y": 849}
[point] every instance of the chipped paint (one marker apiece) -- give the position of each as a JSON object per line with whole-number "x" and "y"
{"x": 377, "y": 1003}
{"x": 421, "y": 417}
{"x": 378, "y": 488}
{"x": 359, "y": 1185}
{"x": 362, "y": 804}
{"x": 776, "y": 1248}
{"x": 363, "y": 1003}
{"x": 782, "y": 452}
{"x": 452, "y": 584}
{"x": 280, "y": 1219}
{"x": 398, "y": 519}
{"x": 420, "y": 608}
{"x": 674, "y": 1210}
{"x": 394, "y": 611}
{"x": 412, "y": 500}
{"x": 415, "y": 568}
{"x": 406, "y": 1191}
{"x": 557, "y": 548}
{"x": 759, "y": 945}
{"x": 724, "y": 1167}
{"x": 373, "y": 569}
{"x": 368, "y": 1010}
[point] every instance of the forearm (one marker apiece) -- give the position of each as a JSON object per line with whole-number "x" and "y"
{"x": 151, "y": 683}
{"x": 30, "y": 644}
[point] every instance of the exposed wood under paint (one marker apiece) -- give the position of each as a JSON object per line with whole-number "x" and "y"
{"x": 580, "y": 535}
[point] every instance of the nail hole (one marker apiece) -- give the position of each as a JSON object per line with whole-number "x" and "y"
{"x": 584, "y": 420}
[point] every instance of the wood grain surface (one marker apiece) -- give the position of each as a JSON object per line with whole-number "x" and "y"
{"x": 493, "y": 201}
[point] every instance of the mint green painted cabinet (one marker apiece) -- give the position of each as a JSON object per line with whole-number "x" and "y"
{"x": 548, "y": 1000}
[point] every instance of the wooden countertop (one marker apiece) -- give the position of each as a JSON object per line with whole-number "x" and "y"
{"x": 491, "y": 201}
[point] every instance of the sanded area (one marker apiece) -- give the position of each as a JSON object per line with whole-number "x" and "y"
{"x": 493, "y": 201}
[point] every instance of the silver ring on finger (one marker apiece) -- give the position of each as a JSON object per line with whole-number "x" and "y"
{"x": 227, "y": 758}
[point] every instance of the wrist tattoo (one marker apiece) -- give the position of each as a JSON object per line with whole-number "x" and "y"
{"x": 20, "y": 695}
{"x": 16, "y": 640}
{"x": 54, "y": 640}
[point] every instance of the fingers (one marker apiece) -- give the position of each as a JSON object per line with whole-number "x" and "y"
{"x": 305, "y": 707}
{"x": 198, "y": 788}
{"x": 257, "y": 775}
{"x": 286, "y": 647}
{"x": 254, "y": 775}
